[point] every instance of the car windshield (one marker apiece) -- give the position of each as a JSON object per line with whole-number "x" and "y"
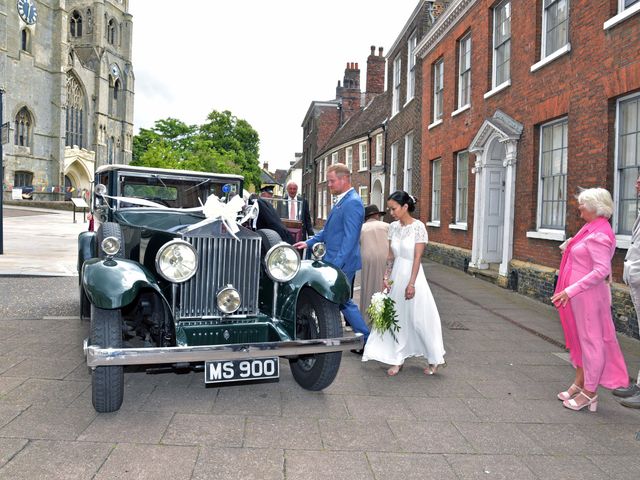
{"x": 174, "y": 191}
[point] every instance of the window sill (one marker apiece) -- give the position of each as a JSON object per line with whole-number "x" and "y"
{"x": 550, "y": 58}
{"x": 623, "y": 242}
{"x": 621, "y": 17}
{"x": 434, "y": 124}
{"x": 408, "y": 102}
{"x": 497, "y": 89}
{"x": 461, "y": 109}
{"x": 457, "y": 226}
{"x": 542, "y": 234}
{"x": 433, "y": 224}
{"x": 363, "y": 170}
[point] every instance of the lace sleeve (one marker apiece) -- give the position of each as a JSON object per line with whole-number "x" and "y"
{"x": 392, "y": 229}
{"x": 420, "y": 232}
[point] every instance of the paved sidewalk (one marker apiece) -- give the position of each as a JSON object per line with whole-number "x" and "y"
{"x": 40, "y": 242}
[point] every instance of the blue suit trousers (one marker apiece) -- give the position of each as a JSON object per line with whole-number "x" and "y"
{"x": 352, "y": 313}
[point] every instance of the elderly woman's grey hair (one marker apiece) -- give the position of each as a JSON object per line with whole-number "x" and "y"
{"x": 597, "y": 200}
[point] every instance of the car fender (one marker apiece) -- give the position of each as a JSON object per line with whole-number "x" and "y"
{"x": 115, "y": 283}
{"x": 86, "y": 247}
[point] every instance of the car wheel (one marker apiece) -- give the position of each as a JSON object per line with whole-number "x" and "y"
{"x": 110, "y": 229}
{"x": 107, "y": 383}
{"x": 316, "y": 317}
{"x": 85, "y": 305}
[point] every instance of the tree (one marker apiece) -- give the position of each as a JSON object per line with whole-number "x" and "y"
{"x": 223, "y": 144}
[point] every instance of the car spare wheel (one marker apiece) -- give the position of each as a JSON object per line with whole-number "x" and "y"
{"x": 107, "y": 383}
{"x": 316, "y": 317}
{"x": 110, "y": 229}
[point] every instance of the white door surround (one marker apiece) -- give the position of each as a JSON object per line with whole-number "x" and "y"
{"x": 495, "y": 147}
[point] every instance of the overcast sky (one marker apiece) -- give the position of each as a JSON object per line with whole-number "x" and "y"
{"x": 263, "y": 60}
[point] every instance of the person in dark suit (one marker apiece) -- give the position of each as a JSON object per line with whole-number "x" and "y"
{"x": 296, "y": 207}
{"x": 268, "y": 217}
{"x": 341, "y": 235}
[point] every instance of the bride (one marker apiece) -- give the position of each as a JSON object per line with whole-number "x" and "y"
{"x": 420, "y": 332}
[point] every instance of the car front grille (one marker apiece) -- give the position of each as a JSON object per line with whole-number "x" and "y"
{"x": 221, "y": 262}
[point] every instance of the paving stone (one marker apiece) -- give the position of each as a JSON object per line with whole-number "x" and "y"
{"x": 566, "y": 467}
{"x": 313, "y": 405}
{"x": 148, "y": 462}
{"x": 9, "y": 383}
{"x": 199, "y": 429}
{"x": 498, "y": 438}
{"x": 400, "y": 385}
{"x": 42, "y": 368}
{"x": 10, "y": 447}
{"x": 498, "y": 467}
{"x": 618, "y": 466}
{"x": 239, "y": 464}
{"x": 127, "y": 426}
{"x": 368, "y": 407}
{"x": 56, "y": 393}
{"x": 49, "y": 423}
{"x": 348, "y": 385}
{"x": 360, "y": 435}
{"x": 321, "y": 465}
{"x": 8, "y": 360}
{"x": 282, "y": 432}
{"x": 134, "y": 397}
{"x": 429, "y": 437}
{"x": 10, "y": 411}
{"x": 179, "y": 399}
{"x": 439, "y": 409}
{"x": 410, "y": 466}
{"x": 248, "y": 402}
{"x": 505, "y": 389}
{"x": 49, "y": 460}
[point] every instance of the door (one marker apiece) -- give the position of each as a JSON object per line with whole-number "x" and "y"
{"x": 494, "y": 214}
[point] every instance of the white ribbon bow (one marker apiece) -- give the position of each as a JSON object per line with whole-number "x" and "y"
{"x": 214, "y": 209}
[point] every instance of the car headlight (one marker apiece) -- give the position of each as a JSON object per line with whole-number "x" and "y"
{"x": 110, "y": 246}
{"x": 177, "y": 261}
{"x": 282, "y": 262}
{"x": 318, "y": 250}
{"x": 228, "y": 299}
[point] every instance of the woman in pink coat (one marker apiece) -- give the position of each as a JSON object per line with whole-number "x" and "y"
{"x": 583, "y": 300}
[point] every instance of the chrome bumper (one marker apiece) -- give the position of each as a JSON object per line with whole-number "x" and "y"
{"x": 100, "y": 357}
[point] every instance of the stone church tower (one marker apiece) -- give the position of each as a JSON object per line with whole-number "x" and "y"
{"x": 65, "y": 66}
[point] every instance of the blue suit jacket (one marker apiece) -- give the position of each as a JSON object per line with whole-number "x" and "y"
{"x": 341, "y": 233}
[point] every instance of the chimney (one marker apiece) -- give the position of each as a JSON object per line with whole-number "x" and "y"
{"x": 265, "y": 166}
{"x": 375, "y": 74}
{"x": 349, "y": 93}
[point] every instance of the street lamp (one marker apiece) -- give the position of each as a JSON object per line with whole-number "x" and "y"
{"x": 1, "y": 173}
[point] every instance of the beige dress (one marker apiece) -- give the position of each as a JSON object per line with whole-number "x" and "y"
{"x": 374, "y": 246}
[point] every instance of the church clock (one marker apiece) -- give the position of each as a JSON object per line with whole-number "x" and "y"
{"x": 27, "y": 11}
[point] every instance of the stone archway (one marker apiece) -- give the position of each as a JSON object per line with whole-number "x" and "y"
{"x": 495, "y": 146}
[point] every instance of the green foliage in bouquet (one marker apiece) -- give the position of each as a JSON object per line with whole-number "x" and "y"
{"x": 382, "y": 312}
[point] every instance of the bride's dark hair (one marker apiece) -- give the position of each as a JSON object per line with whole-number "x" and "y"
{"x": 403, "y": 198}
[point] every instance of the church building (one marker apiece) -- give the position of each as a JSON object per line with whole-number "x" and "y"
{"x": 67, "y": 77}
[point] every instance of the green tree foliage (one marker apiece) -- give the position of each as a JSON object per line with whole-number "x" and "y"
{"x": 223, "y": 144}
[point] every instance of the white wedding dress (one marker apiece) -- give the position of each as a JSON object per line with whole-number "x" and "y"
{"x": 420, "y": 332}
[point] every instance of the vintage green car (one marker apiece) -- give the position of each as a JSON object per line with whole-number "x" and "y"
{"x": 174, "y": 275}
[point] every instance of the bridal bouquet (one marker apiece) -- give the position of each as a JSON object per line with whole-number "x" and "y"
{"x": 382, "y": 312}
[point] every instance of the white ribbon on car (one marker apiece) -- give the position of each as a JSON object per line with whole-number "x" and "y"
{"x": 136, "y": 201}
{"x": 214, "y": 209}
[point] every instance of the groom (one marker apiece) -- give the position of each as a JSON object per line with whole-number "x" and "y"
{"x": 341, "y": 235}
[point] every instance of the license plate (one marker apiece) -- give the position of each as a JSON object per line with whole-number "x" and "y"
{"x": 240, "y": 370}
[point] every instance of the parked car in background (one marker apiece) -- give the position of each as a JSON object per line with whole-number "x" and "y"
{"x": 174, "y": 274}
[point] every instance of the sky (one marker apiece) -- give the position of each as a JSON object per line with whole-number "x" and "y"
{"x": 263, "y": 60}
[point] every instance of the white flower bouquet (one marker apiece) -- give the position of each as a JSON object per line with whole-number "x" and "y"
{"x": 382, "y": 312}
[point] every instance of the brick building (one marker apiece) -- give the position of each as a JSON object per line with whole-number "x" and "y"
{"x": 524, "y": 102}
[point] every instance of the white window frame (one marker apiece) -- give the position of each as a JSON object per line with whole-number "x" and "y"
{"x": 407, "y": 181}
{"x": 364, "y": 156}
{"x": 379, "y": 149}
{"x": 541, "y": 199}
{"x": 546, "y": 5}
{"x": 319, "y": 210}
{"x": 436, "y": 192}
{"x": 393, "y": 170}
{"x": 494, "y": 84}
{"x": 623, "y": 14}
{"x": 623, "y": 239}
{"x": 326, "y": 166}
{"x": 334, "y": 158}
{"x": 363, "y": 191}
{"x": 462, "y": 190}
{"x": 396, "y": 80}
{"x": 438, "y": 90}
{"x": 464, "y": 71}
{"x": 349, "y": 158}
{"x": 325, "y": 204}
{"x": 411, "y": 67}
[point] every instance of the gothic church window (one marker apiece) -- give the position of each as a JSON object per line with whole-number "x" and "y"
{"x": 75, "y": 113}
{"x": 25, "y": 40}
{"x": 111, "y": 32}
{"x": 114, "y": 92}
{"x": 75, "y": 24}
{"x": 23, "y": 129}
